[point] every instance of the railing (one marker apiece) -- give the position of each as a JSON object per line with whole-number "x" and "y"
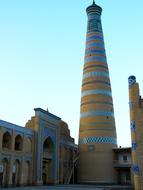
{"x": 122, "y": 164}
{"x": 70, "y": 171}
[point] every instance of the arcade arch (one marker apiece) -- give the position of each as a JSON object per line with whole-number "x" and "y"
{"x": 27, "y": 173}
{"x": 4, "y": 167}
{"x": 6, "y": 140}
{"x": 18, "y": 143}
{"x": 16, "y": 173}
{"x": 48, "y": 154}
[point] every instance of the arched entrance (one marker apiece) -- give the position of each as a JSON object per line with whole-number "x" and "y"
{"x": 4, "y": 172}
{"x": 27, "y": 173}
{"x": 48, "y": 153}
{"x": 44, "y": 177}
{"x": 16, "y": 173}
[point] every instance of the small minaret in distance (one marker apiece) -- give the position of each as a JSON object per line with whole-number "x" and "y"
{"x": 136, "y": 121}
{"x": 97, "y": 133}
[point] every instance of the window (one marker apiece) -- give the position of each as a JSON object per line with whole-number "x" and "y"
{"x": 91, "y": 148}
{"x": 125, "y": 158}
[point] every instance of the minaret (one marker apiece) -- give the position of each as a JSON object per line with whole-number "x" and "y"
{"x": 97, "y": 133}
{"x": 136, "y": 122}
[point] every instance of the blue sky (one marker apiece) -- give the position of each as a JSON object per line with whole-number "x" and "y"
{"x": 42, "y": 47}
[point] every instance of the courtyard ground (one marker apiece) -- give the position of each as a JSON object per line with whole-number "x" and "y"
{"x": 72, "y": 187}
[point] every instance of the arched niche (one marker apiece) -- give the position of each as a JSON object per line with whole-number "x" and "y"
{"x": 48, "y": 145}
{"x": 16, "y": 173}
{"x": 18, "y": 143}
{"x": 48, "y": 161}
{"x": 6, "y": 140}
{"x": 26, "y": 171}
{"x": 4, "y": 173}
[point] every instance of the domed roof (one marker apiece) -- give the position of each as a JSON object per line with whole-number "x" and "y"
{"x": 94, "y": 9}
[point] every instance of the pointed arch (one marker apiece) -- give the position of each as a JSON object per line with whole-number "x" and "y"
{"x": 5, "y": 173}
{"x": 18, "y": 143}
{"x": 48, "y": 145}
{"x": 27, "y": 173}
{"x": 16, "y": 173}
{"x": 47, "y": 164}
{"x": 6, "y": 140}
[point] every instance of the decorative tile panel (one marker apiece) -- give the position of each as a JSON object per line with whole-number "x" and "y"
{"x": 136, "y": 169}
{"x": 132, "y": 80}
{"x": 134, "y": 145}
{"x": 96, "y": 113}
{"x": 93, "y": 140}
{"x": 96, "y": 74}
{"x": 133, "y": 128}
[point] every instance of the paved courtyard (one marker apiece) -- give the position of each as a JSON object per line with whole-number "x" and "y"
{"x": 72, "y": 187}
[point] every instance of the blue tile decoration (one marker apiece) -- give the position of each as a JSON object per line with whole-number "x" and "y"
{"x": 41, "y": 112}
{"x": 89, "y": 140}
{"x": 95, "y": 58}
{"x": 49, "y": 133}
{"x": 96, "y": 74}
{"x": 100, "y": 51}
{"x": 136, "y": 169}
{"x": 95, "y": 44}
{"x": 134, "y": 145}
{"x": 96, "y": 113}
{"x": 19, "y": 133}
{"x": 52, "y": 134}
{"x": 94, "y": 38}
{"x": 96, "y": 66}
{"x": 133, "y": 127}
{"x": 94, "y": 25}
{"x": 93, "y": 16}
{"x": 19, "y": 129}
{"x": 6, "y": 130}
{"x": 131, "y": 80}
{"x": 96, "y": 91}
{"x": 96, "y": 82}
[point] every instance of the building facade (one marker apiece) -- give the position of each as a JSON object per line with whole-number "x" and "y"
{"x": 42, "y": 152}
{"x": 97, "y": 133}
{"x": 123, "y": 165}
{"x": 136, "y": 121}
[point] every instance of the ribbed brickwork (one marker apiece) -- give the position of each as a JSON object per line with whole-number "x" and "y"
{"x": 97, "y": 134}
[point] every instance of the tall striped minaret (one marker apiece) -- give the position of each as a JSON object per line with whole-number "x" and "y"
{"x": 97, "y": 133}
